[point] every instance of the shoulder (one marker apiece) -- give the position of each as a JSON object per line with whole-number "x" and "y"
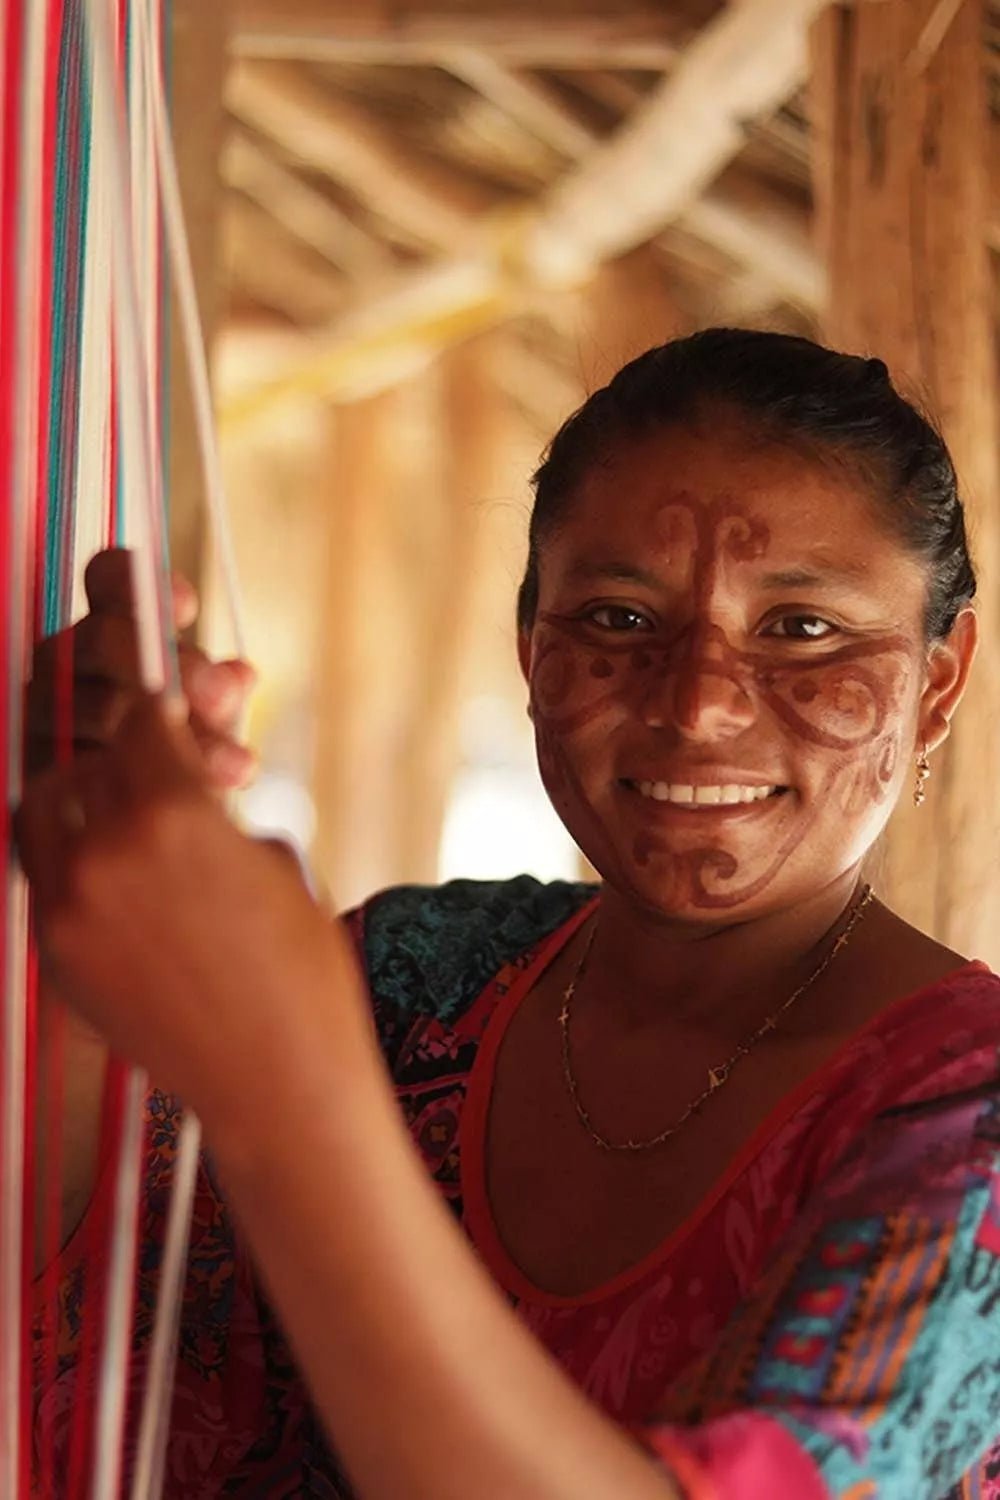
{"x": 430, "y": 949}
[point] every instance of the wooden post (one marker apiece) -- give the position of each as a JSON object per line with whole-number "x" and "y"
{"x": 406, "y": 585}
{"x": 625, "y": 310}
{"x": 199, "y": 36}
{"x": 365, "y": 656}
{"x": 453, "y": 578}
{"x": 901, "y": 140}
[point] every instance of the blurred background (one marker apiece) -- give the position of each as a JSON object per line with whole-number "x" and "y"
{"x": 424, "y": 232}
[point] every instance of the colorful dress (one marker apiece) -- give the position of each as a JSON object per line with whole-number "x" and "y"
{"x": 827, "y": 1323}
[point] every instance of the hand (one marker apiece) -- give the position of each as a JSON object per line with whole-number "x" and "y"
{"x": 194, "y": 950}
{"x": 101, "y": 655}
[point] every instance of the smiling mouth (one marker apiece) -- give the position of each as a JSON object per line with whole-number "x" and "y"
{"x": 700, "y": 798}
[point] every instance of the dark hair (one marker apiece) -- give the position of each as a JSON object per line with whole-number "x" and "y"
{"x": 794, "y": 390}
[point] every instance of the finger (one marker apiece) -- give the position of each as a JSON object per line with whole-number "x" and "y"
{"x": 100, "y": 648}
{"x": 184, "y": 598}
{"x": 93, "y": 711}
{"x": 110, "y": 588}
{"x": 229, "y": 766}
{"x": 155, "y": 751}
{"x": 100, "y": 645}
{"x": 108, "y": 582}
{"x": 217, "y": 690}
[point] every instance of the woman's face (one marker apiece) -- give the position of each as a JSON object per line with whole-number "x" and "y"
{"x": 725, "y": 671}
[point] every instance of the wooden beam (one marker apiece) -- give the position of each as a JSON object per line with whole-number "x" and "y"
{"x": 747, "y": 219}
{"x": 303, "y": 211}
{"x": 332, "y": 136}
{"x": 262, "y": 260}
{"x": 902, "y": 156}
{"x": 525, "y": 99}
{"x": 764, "y": 231}
{"x": 743, "y": 63}
{"x": 741, "y": 66}
{"x": 590, "y": 34}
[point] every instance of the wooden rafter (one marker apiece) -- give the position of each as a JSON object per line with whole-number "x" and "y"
{"x": 591, "y": 33}
{"x": 302, "y": 211}
{"x": 333, "y": 136}
{"x": 524, "y": 99}
{"x": 761, "y": 229}
{"x": 267, "y": 263}
{"x": 750, "y": 222}
{"x": 741, "y": 66}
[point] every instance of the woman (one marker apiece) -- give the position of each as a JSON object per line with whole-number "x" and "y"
{"x": 722, "y": 1133}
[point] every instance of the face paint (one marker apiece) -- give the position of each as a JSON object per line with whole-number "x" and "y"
{"x": 701, "y": 689}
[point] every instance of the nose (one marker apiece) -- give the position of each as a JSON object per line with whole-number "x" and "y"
{"x": 699, "y": 689}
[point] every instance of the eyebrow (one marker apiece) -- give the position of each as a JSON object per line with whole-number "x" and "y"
{"x": 823, "y": 573}
{"x": 816, "y": 577}
{"x": 620, "y": 572}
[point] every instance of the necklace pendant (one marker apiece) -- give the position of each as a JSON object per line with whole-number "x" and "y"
{"x": 717, "y": 1077}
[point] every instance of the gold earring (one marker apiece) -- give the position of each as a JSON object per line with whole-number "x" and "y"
{"x": 923, "y": 772}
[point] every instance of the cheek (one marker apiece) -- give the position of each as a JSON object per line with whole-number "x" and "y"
{"x": 575, "y": 685}
{"x": 845, "y": 707}
{"x": 852, "y": 714}
{"x": 868, "y": 781}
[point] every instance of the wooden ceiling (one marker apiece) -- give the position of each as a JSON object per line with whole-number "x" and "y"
{"x": 400, "y": 162}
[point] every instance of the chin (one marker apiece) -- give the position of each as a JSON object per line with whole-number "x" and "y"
{"x": 693, "y": 884}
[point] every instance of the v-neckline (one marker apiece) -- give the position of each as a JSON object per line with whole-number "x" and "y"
{"x": 477, "y": 1209}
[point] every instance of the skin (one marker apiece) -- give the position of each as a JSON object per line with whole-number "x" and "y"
{"x": 672, "y": 646}
{"x": 158, "y": 895}
{"x": 662, "y": 650}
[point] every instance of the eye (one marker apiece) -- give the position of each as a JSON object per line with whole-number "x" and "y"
{"x": 617, "y": 617}
{"x": 801, "y": 628}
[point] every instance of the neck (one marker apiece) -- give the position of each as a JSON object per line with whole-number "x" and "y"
{"x": 709, "y": 975}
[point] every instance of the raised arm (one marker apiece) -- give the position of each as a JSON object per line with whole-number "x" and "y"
{"x": 252, "y": 1009}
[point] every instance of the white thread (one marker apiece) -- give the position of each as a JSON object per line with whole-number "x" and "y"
{"x": 92, "y": 488}
{"x": 154, "y": 1424}
{"x": 141, "y": 486}
{"x": 112, "y": 1380}
{"x": 182, "y": 274}
{"x": 154, "y": 1421}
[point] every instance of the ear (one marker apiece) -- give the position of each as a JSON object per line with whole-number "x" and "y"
{"x": 948, "y": 665}
{"x": 524, "y": 652}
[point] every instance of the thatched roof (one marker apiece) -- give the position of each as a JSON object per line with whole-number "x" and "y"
{"x": 425, "y": 163}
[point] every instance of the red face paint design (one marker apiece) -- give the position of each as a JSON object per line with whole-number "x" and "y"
{"x": 702, "y": 689}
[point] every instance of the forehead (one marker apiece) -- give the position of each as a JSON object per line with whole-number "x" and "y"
{"x": 801, "y": 499}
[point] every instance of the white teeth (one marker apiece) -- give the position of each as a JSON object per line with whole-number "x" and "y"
{"x": 702, "y": 796}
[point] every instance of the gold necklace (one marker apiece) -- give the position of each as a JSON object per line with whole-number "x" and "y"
{"x": 717, "y": 1077}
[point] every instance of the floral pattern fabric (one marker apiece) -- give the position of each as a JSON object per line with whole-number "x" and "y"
{"x": 824, "y": 1325}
